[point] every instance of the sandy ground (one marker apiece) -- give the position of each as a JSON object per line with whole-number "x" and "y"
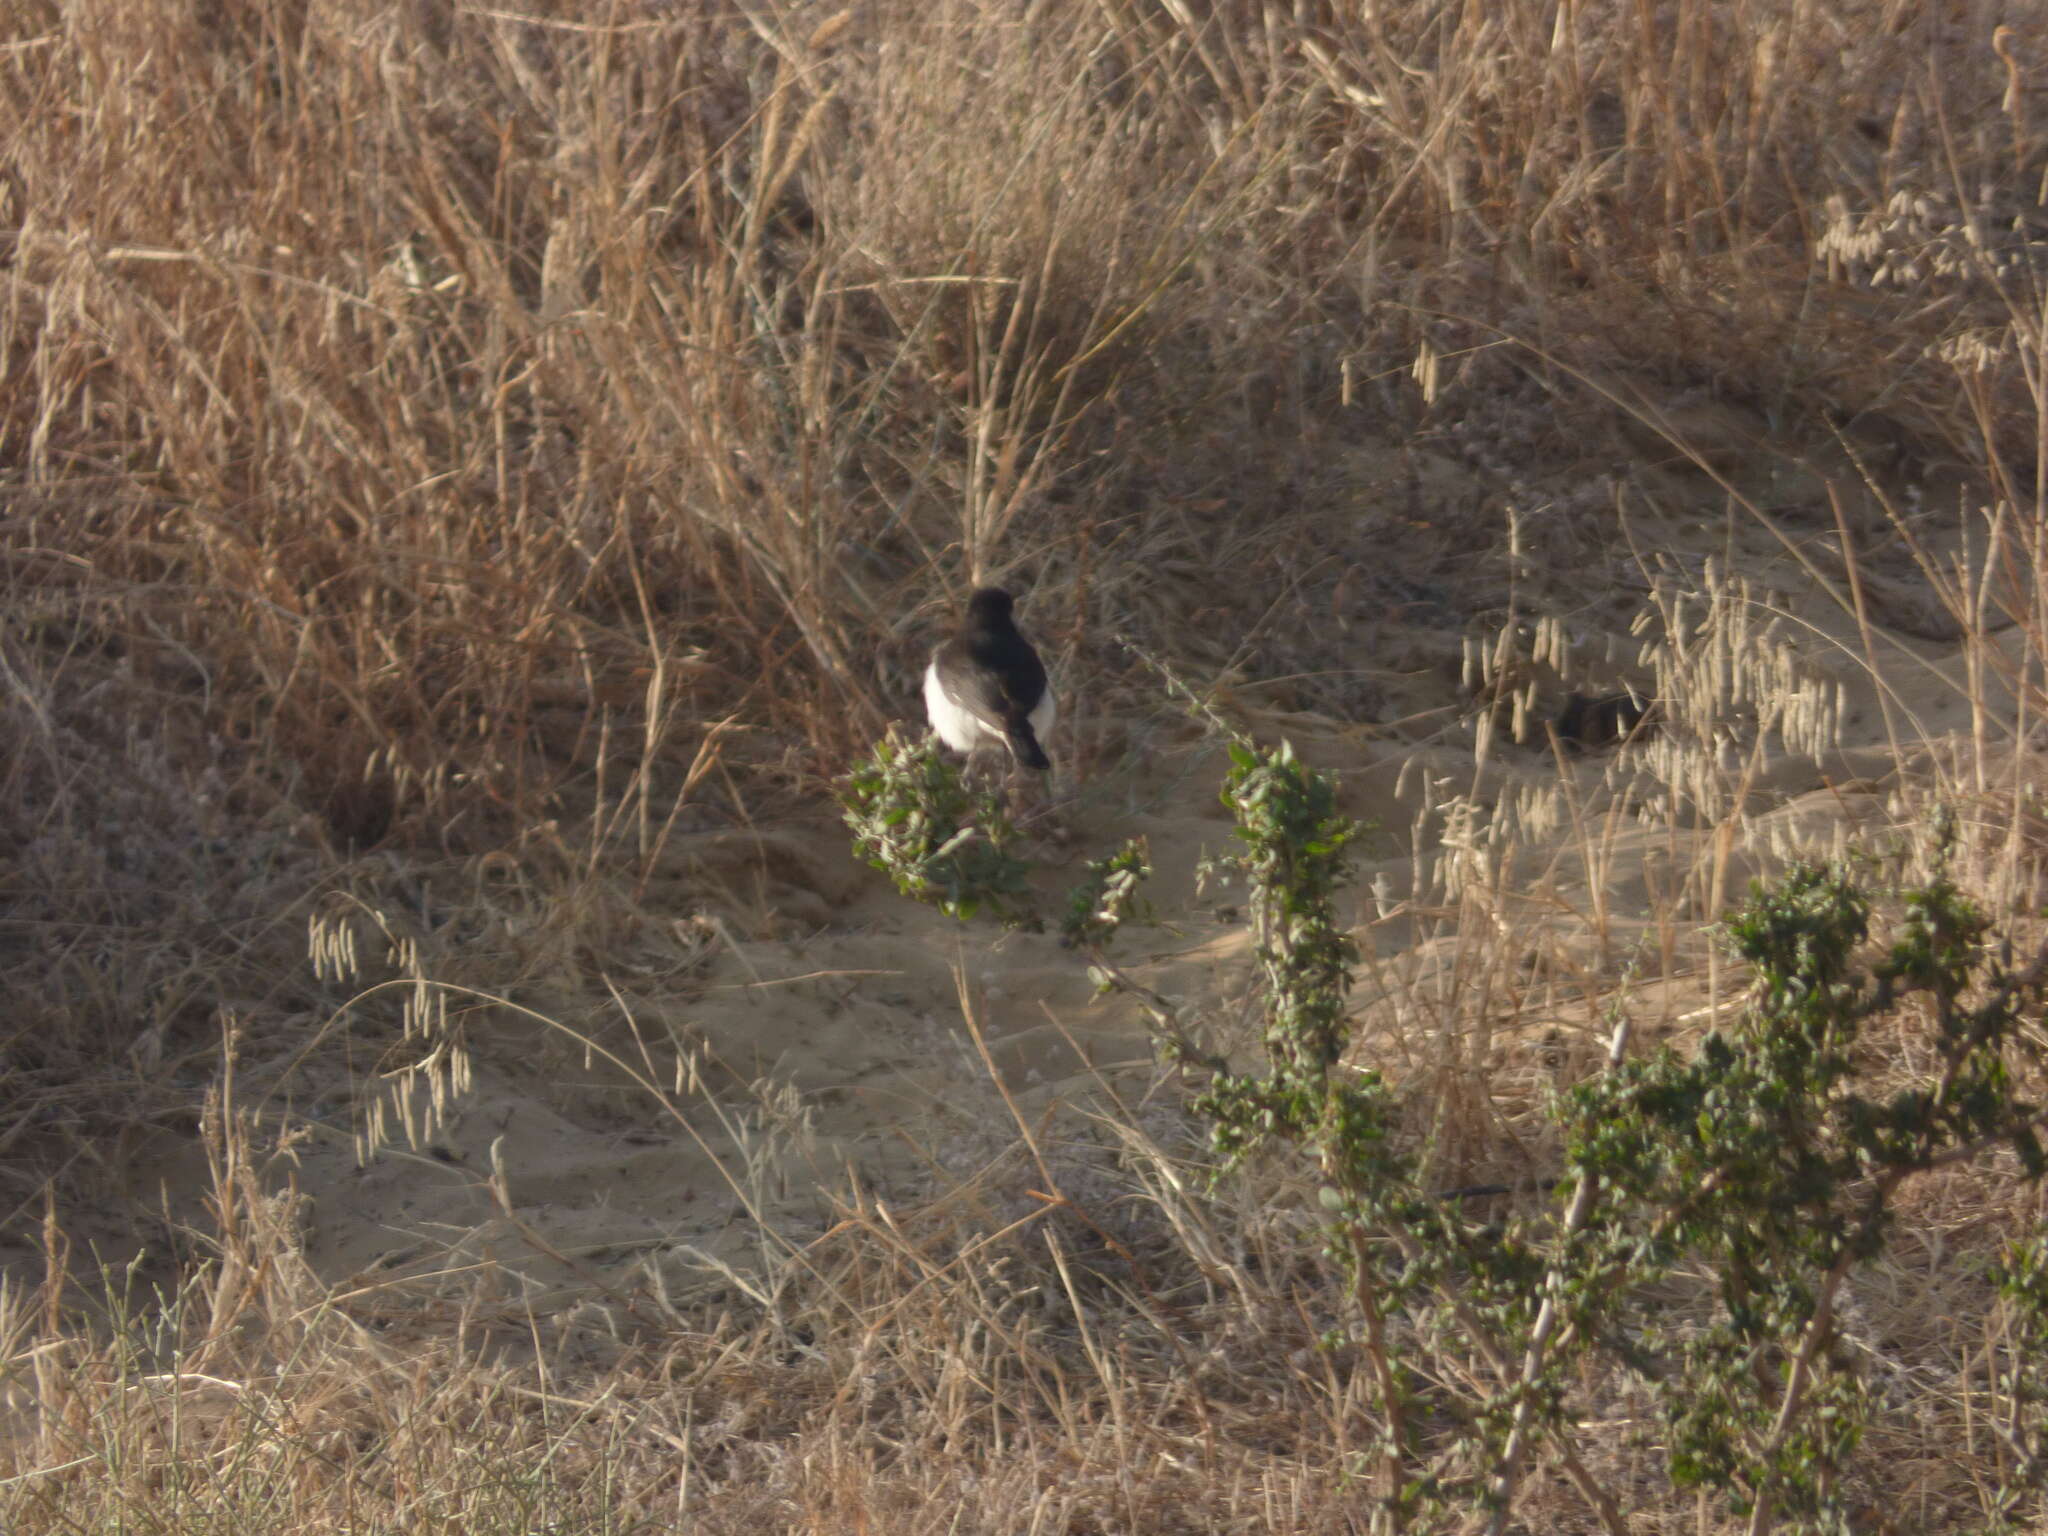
{"x": 824, "y": 1022}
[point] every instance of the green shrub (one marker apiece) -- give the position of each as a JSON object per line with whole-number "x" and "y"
{"x": 942, "y": 842}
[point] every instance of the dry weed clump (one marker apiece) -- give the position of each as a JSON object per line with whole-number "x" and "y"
{"x": 458, "y": 384}
{"x": 157, "y": 880}
{"x": 1005, "y": 1354}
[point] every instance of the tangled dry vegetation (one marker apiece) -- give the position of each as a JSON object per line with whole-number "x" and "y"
{"x": 461, "y": 462}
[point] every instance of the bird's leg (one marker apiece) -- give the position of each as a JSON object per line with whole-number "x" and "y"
{"x": 984, "y": 768}
{"x": 1033, "y": 804}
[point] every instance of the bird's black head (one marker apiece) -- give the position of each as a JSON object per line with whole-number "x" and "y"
{"x": 990, "y": 603}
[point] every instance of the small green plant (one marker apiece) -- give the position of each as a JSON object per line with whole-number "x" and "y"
{"x": 1107, "y": 898}
{"x": 1293, "y": 863}
{"x": 942, "y": 841}
{"x": 2022, "y": 1376}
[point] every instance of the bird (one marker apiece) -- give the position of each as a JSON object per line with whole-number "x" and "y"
{"x": 986, "y": 684}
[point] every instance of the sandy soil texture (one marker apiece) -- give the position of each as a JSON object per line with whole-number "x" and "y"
{"x": 662, "y": 1087}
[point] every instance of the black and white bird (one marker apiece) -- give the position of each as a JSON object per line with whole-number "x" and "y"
{"x": 987, "y": 685}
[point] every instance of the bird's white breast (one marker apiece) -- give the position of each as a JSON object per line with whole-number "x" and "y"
{"x": 956, "y": 727}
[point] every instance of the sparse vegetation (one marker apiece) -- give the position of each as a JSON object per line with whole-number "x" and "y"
{"x": 474, "y": 478}
{"x": 1755, "y": 1160}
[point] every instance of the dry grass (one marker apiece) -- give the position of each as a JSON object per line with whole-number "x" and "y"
{"x": 451, "y": 455}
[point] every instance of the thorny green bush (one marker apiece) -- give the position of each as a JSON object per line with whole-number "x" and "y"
{"x": 1762, "y": 1157}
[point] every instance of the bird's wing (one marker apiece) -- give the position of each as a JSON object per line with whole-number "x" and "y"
{"x": 971, "y": 687}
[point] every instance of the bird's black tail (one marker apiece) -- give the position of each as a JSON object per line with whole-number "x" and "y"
{"x": 1024, "y": 743}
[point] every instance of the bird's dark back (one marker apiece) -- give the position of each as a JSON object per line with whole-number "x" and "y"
{"x": 992, "y": 641}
